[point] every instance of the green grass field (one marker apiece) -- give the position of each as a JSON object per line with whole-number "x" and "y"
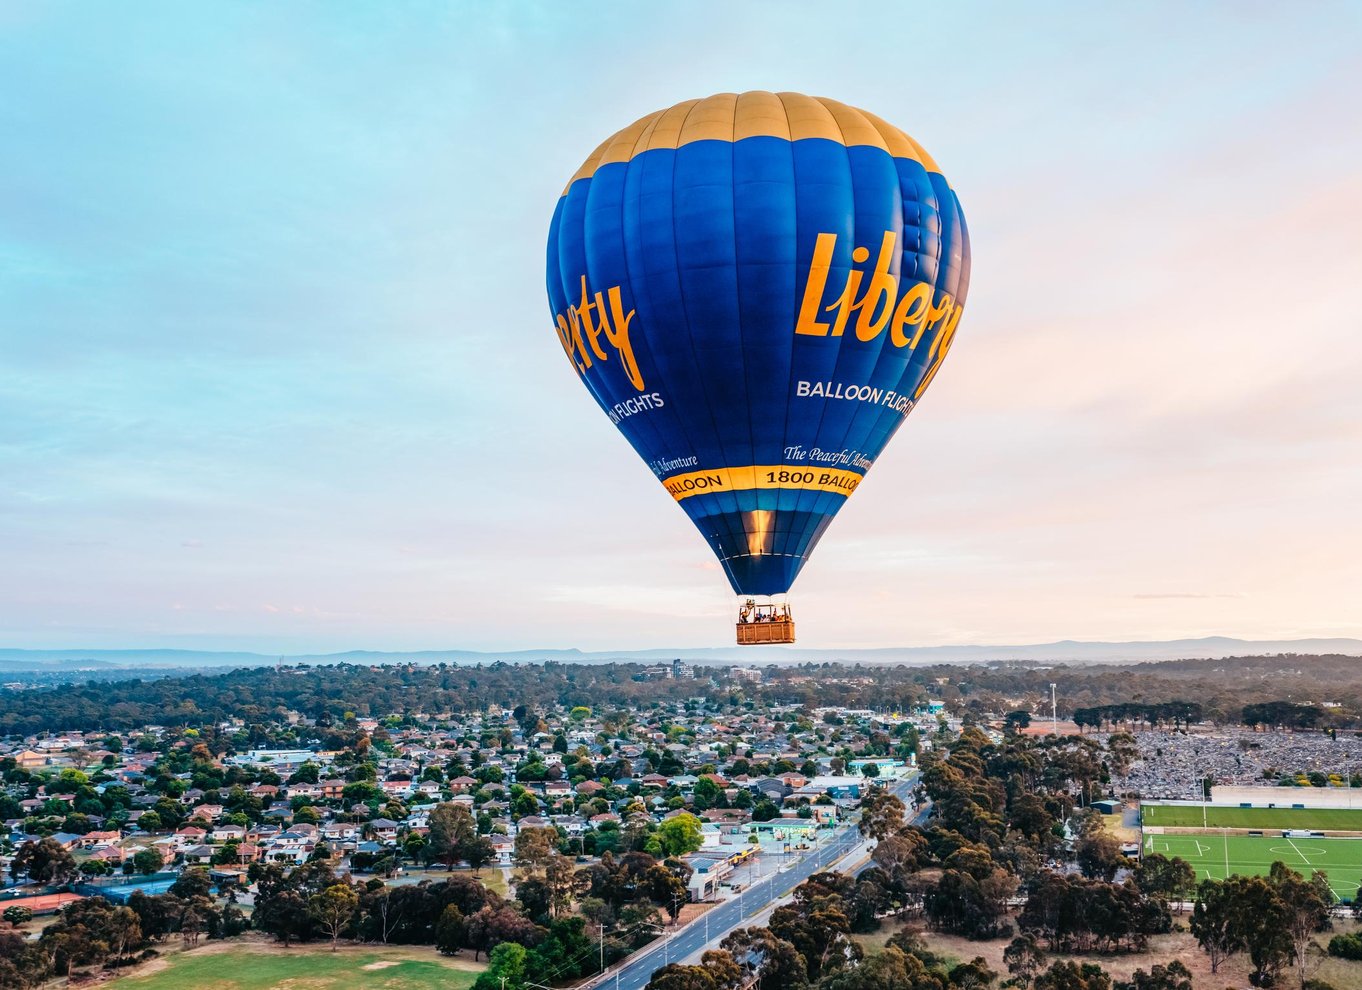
{"x": 1217, "y": 856}
{"x": 1189, "y": 816}
{"x": 304, "y": 968}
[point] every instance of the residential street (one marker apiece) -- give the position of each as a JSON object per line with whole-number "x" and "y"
{"x": 843, "y": 847}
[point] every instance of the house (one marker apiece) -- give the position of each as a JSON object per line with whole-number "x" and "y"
{"x": 773, "y": 788}
{"x": 190, "y": 835}
{"x": 198, "y": 855}
{"x": 100, "y": 840}
{"x": 29, "y": 759}
{"x": 290, "y": 847}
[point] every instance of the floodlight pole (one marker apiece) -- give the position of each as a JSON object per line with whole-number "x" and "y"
{"x": 1054, "y": 711}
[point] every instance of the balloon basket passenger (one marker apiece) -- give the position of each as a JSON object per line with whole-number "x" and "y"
{"x": 763, "y": 624}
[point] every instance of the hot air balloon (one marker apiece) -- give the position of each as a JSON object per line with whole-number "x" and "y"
{"x": 757, "y": 289}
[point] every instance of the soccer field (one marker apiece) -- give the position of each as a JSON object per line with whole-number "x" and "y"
{"x": 1189, "y": 816}
{"x": 1218, "y": 856}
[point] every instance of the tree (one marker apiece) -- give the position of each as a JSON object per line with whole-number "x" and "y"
{"x": 1305, "y": 907}
{"x": 334, "y": 909}
{"x": 452, "y": 830}
{"x": 775, "y": 963}
{"x": 881, "y": 815}
{"x": 666, "y": 889}
{"x": 18, "y": 915}
{"x": 1122, "y": 751}
{"x": 282, "y": 912}
{"x": 559, "y": 880}
{"x": 1064, "y": 975}
{"x": 820, "y": 931}
{"x": 1169, "y": 879}
{"x": 147, "y": 861}
{"x": 971, "y": 975}
{"x": 764, "y": 810}
{"x": 121, "y": 931}
{"x": 532, "y": 893}
{"x": 680, "y": 834}
{"x": 492, "y": 925}
{"x": 535, "y": 846}
{"x": 478, "y": 852}
{"x": 22, "y": 963}
{"x": 892, "y": 968}
{"x": 450, "y": 930}
{"x": 1099, "y": 856}
{"x": 1213, "y": 922}
{"x": 1173, "y": 976}
{"x": 707, "y": 794}
{"x": 505, "y": 968}
{"x": 676, "y": 976}
{"x": 193, "y": 882}
{"x": 566, "y": 953}
{"x": 1023, "y": 958}
{"x": 44, "y": 861}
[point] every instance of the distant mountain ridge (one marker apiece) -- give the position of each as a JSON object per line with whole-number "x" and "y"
{"x": 1065, "y": 651}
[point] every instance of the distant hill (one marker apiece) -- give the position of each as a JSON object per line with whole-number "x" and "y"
{"x": 1066, "y": 651}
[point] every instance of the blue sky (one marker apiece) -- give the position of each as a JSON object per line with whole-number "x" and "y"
{"x": 277, "y": 371}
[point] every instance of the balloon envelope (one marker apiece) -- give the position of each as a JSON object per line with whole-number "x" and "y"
{"x": 757, "y": 289}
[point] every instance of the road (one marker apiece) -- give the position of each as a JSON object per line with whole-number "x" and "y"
{"x": 714, "y": 924}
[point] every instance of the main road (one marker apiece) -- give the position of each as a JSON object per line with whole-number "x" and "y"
{"x": 708, "y": 929}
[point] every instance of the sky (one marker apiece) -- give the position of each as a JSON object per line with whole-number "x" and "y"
{"x": 277, "y": 370}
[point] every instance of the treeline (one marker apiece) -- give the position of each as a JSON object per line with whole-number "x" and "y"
{"x": 330, "y": 694}
{"x": 333, "y": 694}
{"x": 1268, "y": 714}
{"x": 1284, "y": 715}
{"x": 1173, "y": 713}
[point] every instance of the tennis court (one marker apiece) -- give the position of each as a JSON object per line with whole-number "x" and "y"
{"x": 1218, "y": 856}
{"x": 1225, "y": 816}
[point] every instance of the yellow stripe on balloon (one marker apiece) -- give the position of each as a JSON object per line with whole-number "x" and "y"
{"x": 736, "y": 116}
{"x": 737, "y": 479}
